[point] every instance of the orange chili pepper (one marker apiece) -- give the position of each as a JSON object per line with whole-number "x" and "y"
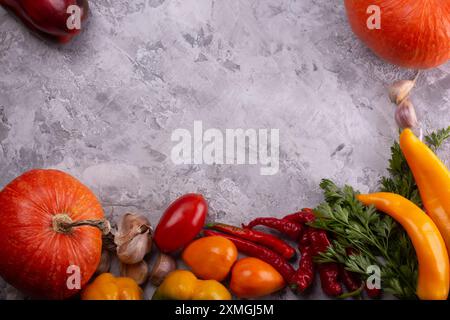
{"x": 432, "y": 178}
{"x": 433, "y": 281}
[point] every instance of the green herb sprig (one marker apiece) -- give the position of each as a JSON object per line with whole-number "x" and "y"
{"x": 436, "y": 139}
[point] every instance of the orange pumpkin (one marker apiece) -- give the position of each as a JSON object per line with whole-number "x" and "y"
{"x": 413, "y": 33}
{"x": 38, "y": 241}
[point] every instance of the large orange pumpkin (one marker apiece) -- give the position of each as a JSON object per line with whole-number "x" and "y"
{"x": 413, "y": 34}
{"x": 38, "y": 242}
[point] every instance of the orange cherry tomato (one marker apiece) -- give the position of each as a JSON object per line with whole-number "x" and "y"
{"x": 253, "y": 278}
{"x": 210, "y": 258}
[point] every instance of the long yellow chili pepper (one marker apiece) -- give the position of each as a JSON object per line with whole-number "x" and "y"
{"x": 433, "y": 180}
{"x": 434, "y": 269}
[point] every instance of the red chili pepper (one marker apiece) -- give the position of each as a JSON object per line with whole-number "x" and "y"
{"x": 319, "y": 240}
{"x": 292, "y": 229}
{"x": 350, "y": 279}
{"x": 257, "y": 251}
{"x": 304, "y": 276}
{"x": 305, "y": 239}
{"x": 268, "y": 240}
{"x": 329, "y": 278}
{"x": 306, "y": 215}
{"x": 328, "y": 272}
{"x": 50, "y": 18}
{"x": 373, "y": 293}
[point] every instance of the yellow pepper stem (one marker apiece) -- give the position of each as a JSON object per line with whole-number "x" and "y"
{"x": 434, "y": 269}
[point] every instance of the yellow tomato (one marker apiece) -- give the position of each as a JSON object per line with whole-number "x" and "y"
{"x": 108, "y": 287}
{"x": 210, "y": 258}
{"x": 253, "y": 278}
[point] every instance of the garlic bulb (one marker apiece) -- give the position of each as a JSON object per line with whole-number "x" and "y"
{"x": 133, "y": 238}
{"x": 138, "y": 271}
{"x": 405, "y": 115}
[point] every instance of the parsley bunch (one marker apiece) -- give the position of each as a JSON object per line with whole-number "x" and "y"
{"x": 374, "y": 238}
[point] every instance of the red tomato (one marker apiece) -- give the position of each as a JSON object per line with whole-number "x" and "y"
{"x": 181, "y": 223}
{"x": 48, "y": 18}
{"x": 35, "y": 255}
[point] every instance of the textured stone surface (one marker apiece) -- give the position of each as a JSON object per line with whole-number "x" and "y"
{"x": 103, "y": 108}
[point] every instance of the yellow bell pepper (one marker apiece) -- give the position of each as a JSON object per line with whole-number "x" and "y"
{"x": 433, "y": 180}
{"x": 184, "y": 285}
{"x": 434, "y": 269}
{"x": 108, "y": 287}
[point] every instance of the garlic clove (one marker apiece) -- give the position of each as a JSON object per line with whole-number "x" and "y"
{"x": 138, "y": 271}
{"x": 131, "y": 225}
{"x": 405, "y": 115}
{"x": 105, "y": 262}
{"x": 164, "y": 265}
{"x": 133, "y": 238}
{"x": 134, "y": 250}
{"x": 400, "y": 90}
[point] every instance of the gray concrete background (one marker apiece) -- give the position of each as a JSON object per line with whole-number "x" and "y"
{"x": 103, "y": 108}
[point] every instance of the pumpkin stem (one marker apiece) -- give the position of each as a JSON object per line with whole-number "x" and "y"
{"x": 64, "y": 224}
